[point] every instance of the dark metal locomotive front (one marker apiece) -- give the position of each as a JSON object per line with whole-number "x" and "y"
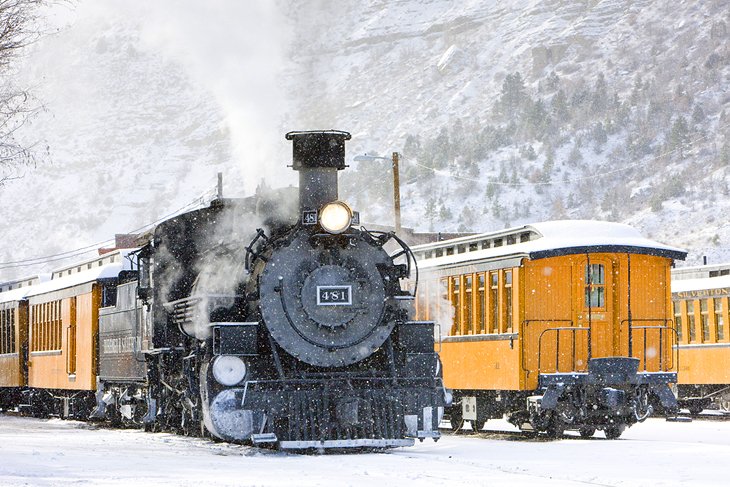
{"x": 294, "y": 331}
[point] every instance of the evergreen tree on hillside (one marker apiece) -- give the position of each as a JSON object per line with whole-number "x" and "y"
{"x": 599, "y": 98}
{"x": 513, "y": 94}
{"x": 679, "y": 136}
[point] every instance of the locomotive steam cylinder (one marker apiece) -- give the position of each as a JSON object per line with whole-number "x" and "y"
{"x": 317, "y": 157}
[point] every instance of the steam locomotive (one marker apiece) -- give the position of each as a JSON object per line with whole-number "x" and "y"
{"x": 255, "y": 320}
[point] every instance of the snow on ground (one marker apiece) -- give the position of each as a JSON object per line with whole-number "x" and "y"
{"x": 658, "y": 453}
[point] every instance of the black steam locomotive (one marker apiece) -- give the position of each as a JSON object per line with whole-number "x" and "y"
{"x": 261, "y": 320}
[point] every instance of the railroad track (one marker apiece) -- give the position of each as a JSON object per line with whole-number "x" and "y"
{"x": 710, "y": 416}
{"x": 506, "y": 435}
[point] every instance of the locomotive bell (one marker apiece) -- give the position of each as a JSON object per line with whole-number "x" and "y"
{"x": 318, "y": 155}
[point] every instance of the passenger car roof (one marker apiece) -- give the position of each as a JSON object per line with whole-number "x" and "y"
{"x": 546, "y": 239}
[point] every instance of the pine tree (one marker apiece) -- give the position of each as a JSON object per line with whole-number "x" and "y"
{"x": 575, "y": 155}
{"x": 513, "y": 94}
{"x": 441, "y": 149}
{"x": 599, "y": 99}
{"x": 599, "y": 137}
{"x": 444, "y": 211}
{"x": 698, "y": 114}
{"x": 537, "y": 120}
{"x": 430, "y": 212}
{"x": 559, "y": 108}
{"x": 679, "y": 136}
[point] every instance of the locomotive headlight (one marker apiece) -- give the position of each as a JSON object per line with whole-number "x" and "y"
{"x": 335, "y": 217}
{"x": 229, "y": 370}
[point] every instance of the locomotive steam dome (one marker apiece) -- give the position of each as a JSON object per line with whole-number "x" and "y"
{"x": 322, "y": 294}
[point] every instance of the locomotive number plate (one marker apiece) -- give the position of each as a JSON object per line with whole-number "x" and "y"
{"x": 334, "y": 295}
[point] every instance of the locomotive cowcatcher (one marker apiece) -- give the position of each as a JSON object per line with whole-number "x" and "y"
{"x": 250, "y": 322}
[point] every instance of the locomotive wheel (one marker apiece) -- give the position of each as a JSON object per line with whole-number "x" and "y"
{"x": 478, "y": 425}
{"x": 587, "y": 431}
{"x": 613, "y": 432}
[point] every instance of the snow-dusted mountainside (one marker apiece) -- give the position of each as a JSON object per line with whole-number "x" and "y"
{"x": 504, "y": 113}
{"x": 621, "y": 113}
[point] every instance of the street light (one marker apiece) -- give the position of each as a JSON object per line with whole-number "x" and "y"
{"x": 396, "y": 182}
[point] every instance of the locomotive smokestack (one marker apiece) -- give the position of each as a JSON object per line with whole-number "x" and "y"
{"x": 318, "y": 155}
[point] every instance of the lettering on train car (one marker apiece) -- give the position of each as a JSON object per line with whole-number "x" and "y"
{"x": 698, "y": 293}
{"x": 121, "y": 344}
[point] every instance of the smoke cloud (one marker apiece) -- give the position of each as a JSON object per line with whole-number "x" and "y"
{"x": 237, "y": 51}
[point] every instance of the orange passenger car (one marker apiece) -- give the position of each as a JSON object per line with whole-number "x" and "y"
{"x": 558, "y": 325}
{"x": 49, "y": 338}
{"x": 702, "y": 322}
{"x": 13, "y": 345}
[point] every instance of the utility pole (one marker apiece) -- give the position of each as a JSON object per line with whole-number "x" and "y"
{"x": 219, "y": 190}
{"x": 396, "y": 192}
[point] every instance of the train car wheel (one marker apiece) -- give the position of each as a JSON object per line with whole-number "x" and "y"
{"x": 695, "y": 408}
{"x": 456, "y": 419}
{"x": 478, "y": 425}
{"x": 613, "y": 432}
{"x": 725, "y": 405}
{"x": 586, "y": 432}
{"x": 556, "y": 427}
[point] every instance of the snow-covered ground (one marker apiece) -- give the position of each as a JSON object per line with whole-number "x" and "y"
{"x": 658, "y": 453}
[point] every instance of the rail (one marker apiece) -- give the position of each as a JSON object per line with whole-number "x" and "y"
{"x": 558, "y": 330}
{"x": 667, "y": 326}
{"x": 526, "y": 323}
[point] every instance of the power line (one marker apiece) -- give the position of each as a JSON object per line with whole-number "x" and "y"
{"x": 82, "y": 250}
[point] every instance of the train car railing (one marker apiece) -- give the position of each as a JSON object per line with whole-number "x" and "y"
{"x": 526, "y": 333}
{"x": 554, "y": 335}
{"x": 667, "y": 361}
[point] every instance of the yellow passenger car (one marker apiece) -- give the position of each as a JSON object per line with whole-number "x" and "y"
{"x": 558, "y": 325}
{"x": 701, "y": 318}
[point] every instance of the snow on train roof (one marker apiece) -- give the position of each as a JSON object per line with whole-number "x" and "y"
{"x": 700, "y": 283}
{"x": 544, "y": 239}
{"x": 14, "y": 294}
{"x": 83, "y": 277}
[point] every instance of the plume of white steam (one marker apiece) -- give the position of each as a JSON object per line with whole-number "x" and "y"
{"x": 437, "y": 307}
{"x": 444, "y": 313}
{"x": 221, "y": 272}
{"x": 236, "y": 51}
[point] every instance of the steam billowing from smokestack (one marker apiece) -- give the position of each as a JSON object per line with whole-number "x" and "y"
{"x": 318, "y": 155}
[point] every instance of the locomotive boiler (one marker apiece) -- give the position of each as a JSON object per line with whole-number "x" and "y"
{"x": 267, "y": 321}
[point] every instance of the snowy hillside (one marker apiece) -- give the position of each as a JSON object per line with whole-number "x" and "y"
{"x": 504, "y": 112}
{"x": 620, "y": 114}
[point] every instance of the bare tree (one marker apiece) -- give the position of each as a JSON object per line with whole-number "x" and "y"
{"x": 18, "y": 28}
